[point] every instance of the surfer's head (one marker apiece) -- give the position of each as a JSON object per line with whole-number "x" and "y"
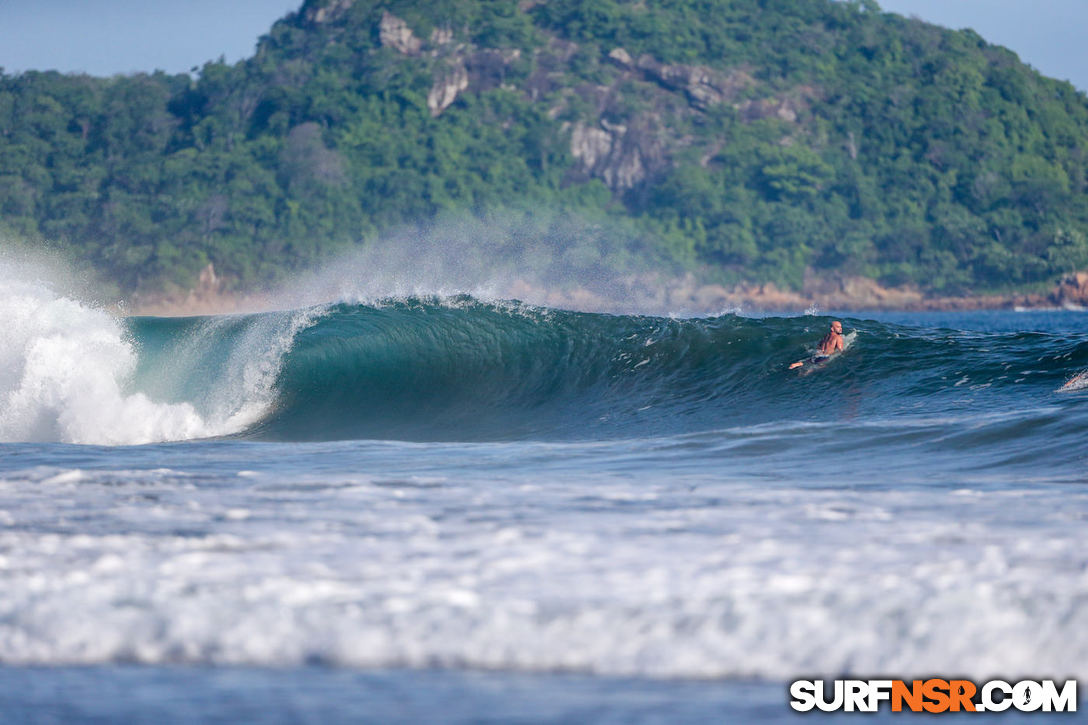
{"x": 836, "y": 327}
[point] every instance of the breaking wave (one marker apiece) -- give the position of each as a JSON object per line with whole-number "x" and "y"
{"x": 457, "y": 368}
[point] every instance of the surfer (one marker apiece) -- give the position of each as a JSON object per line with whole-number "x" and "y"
{"x": 1077, "y": 382}
{"x": 831, "y": 343}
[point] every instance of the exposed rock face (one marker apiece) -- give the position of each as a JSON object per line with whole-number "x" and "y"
{"x": 703, "y": 86}
{"x": 448, "y": 82}
{"x": 785, "y": 109}
{"x": 441, "y": 36}
{"x": 395, "y": 33}
{"x": 788, "y": 107}
{"x": 636, "y": 147}
{"x": 487, "y": 67}
{"x": 481, "y": 70}
{"x": 549, "y": 65}
{"x": 620, "y": 155}
{"x": 622, "y": 58}
{"x": 851, "y": 146}
{"x": 1073, "y": 291}
{"x": 330, "y": 12}
{"x": 590, "y": 145}
{"x": 618, "y": 135}
{"x": 208, "y": 282}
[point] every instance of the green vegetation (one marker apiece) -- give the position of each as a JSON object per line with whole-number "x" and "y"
{"x": 746, "y": 139}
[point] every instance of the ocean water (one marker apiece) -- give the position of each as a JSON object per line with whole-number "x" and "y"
{"x": 448, "y": 509}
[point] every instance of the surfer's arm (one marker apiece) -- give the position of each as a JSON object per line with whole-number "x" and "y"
{"x": 797, "y": 364}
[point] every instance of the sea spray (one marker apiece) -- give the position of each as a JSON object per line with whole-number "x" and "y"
{"x": 67, "y": 373}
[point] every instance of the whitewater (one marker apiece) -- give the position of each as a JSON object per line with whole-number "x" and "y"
{"x": 500, "y": 503}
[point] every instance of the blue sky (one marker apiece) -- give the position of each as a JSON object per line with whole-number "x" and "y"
{"x": 1048, "y": 34}
{"x": 103, "y": 37}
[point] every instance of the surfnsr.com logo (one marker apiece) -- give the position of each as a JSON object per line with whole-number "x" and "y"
{"x": 933, "y": 695}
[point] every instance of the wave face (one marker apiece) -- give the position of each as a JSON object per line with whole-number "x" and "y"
{"x": 458, "y": 369}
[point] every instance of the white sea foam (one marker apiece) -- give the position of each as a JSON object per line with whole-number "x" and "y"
{"x": 704, "y": 580}
{"x": 66, "y": 370}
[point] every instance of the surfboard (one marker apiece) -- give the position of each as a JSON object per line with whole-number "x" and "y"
{"x": 1077, "y": 382}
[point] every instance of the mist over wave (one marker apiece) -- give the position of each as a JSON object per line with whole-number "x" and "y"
{"x": 542, "y": 258}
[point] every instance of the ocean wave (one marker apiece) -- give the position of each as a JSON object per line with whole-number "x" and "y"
{"x": 457, "y": 368}
{"x": 461, "y": 369}
{"x": 73, "y": 372}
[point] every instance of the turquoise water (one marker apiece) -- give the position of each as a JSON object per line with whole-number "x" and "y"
{"x": 449, "y": 510}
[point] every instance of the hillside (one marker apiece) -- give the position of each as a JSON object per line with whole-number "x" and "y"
{"x": 745, "y": 140}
